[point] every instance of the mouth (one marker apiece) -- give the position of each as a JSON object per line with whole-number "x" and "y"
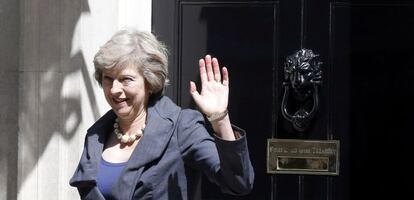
{"x": 119, "y": 100}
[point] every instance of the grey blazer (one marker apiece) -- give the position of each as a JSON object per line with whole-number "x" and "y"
{"x": 167, "y": 162}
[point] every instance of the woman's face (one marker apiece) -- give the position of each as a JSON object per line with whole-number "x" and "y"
{"x": 125, "y": 91}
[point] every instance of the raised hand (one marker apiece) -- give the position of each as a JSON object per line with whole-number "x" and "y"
{"x": 214, "y": 87}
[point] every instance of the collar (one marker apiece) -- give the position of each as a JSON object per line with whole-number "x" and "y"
{"x": 161, "y": 120}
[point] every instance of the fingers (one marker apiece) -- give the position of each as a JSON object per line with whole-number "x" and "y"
{"x": 216, "y": 70}
{"x": 210, "y": 71}
{"x": 202, "y": 69}
{"x": 225, "y": 76}
{"x": 209, "y": 68}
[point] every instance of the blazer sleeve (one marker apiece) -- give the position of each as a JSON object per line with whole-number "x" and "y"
{"x": 225, "y": 163}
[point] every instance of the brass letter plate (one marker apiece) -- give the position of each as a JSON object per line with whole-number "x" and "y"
{"x": 316, "y": 157}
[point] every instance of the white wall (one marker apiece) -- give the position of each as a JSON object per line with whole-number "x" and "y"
{"x": 58, "y": 98}
{"x": 9, "y": 64}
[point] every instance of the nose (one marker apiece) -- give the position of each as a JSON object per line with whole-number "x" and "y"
{"x": 116, "y": 87}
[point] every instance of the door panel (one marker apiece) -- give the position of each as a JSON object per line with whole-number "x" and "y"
{"x": 339, "y": 87}
{"x": 243, "y": 37}
{"x": 382, "y": 97}
{"x": 366, "y": 49}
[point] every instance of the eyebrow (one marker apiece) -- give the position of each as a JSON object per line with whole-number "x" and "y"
{"x": 127, "y": 76}
{"x": 120, "y": 76}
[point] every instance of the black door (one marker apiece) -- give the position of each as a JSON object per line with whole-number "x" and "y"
{"x": 365, "y": 100}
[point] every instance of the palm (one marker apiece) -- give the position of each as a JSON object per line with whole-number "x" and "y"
{"x": 214, "y": 87}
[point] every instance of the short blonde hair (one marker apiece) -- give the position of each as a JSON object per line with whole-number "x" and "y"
{"x": 143, "y": 50}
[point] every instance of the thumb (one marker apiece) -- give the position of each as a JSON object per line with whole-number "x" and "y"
{"x": 193, "y": 92}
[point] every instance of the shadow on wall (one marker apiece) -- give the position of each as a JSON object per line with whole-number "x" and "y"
{"x": 50, "y": 84}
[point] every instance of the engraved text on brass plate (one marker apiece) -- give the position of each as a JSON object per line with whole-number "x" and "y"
{"x": 290, "y": 156}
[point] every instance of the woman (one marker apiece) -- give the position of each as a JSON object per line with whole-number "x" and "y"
{"x": 146, "y": 147}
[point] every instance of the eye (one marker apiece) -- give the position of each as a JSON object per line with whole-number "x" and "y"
{"x": 107, "y": 79}
{"x": 127, "y": 80}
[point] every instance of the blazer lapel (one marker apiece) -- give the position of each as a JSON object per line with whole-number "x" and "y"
{"x": 160, "y": 126}
{"x": 86, "y": 173}
{"x": 157, "y": 134}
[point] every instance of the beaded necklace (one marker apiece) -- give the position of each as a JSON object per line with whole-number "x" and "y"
{"x": 124, "y": 138}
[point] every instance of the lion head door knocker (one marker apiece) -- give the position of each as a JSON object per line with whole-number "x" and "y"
{"x": 303, "y": 76}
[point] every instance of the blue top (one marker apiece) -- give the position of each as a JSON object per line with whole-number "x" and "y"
{"x": 163, "y": 164}
{"x": 108, "y": 174}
